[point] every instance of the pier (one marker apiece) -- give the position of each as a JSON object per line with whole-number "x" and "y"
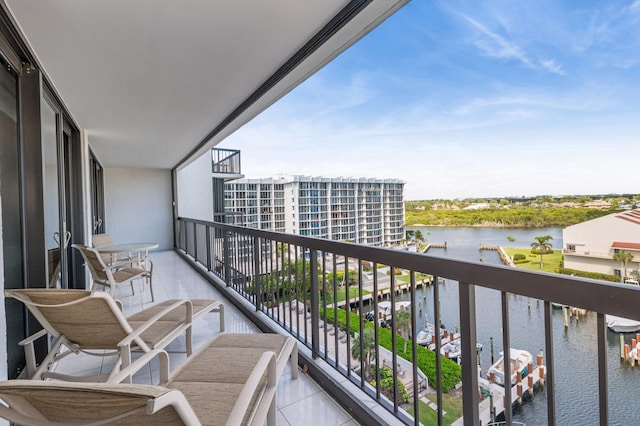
{"x": 384, "y": 293}
{"x": 630, "y": 353}
{"x": 492, "y": 407}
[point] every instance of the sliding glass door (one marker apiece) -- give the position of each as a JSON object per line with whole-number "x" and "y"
{"x": 11, "y": 206}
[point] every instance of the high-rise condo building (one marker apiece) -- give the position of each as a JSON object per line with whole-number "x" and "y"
{"x": 361, "y": 210}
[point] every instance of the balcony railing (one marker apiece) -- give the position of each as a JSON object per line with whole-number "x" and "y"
{"x": 589, "y": 253}
{"x": 296, "y": 282}
{"x": 225, "y": 161}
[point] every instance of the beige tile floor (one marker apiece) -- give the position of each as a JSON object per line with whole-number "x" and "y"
{"x": 299, "y": 402}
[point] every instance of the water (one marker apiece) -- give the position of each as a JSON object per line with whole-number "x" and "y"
{"x": 575, "y": 348}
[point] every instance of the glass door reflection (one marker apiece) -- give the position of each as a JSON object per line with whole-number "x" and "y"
{"x": 56, "y": 236}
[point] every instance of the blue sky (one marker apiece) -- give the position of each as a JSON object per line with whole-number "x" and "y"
{"x": 465, "y": 99}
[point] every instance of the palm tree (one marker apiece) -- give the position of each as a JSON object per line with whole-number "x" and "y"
{"x": 403, "y": 323}
{"x": 409, "y": 233}
{"x": 624, "y": 257}
{"x": 543, "y": 245}
{"x": 368, "y": 347}
{"x": 419, "y": 237}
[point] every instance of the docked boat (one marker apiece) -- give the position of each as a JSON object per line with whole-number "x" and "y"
{"x": 384, "y": 316}
{"x": 453, "y": 349}
{"x": 622, "y": 325}
{"x": 425, "y": 336}
{"x": 519, "y": 359}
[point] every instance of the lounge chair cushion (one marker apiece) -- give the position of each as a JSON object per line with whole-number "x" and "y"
{"x": 168, "y": 322}
{"x": 212, "y": 380}
{"x": 279, "y": 344}
{"x": 87, "y": 402}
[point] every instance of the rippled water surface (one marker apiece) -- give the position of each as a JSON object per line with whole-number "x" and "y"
{"x": 575, "y": 348}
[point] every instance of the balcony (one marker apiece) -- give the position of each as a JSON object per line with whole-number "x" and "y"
{"x": 145, "y": 136}
{"x": 233, "y": 258}
{"x": 226, "y": 163}
{"x": 299, "y": 401}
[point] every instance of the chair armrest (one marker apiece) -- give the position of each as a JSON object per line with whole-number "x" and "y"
{"x": 147, "y": 357}
{"x": 29, "y": 340}
{"x": 175, "y": 399}
{"x": 138, "y": 331}
{"x": 265, "y": 365}
{"x": 29, "y": 351}
{"x": 117, "y": 265}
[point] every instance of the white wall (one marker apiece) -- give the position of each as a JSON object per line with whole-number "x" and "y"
{"x": 138, "y": 206}
{"x": 195, "y": 190}
{"x": 593, "y": 239}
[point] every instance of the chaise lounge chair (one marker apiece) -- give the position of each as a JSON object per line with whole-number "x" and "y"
{"x": 92, "y": 322}
{"x": 115, "y": 274}
{"x": 240, "y": 389}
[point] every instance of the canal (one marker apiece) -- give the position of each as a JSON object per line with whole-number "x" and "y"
{"x": 575, "y": 347}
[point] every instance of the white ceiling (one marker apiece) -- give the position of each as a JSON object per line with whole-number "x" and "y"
{"x": 148, "y": 80}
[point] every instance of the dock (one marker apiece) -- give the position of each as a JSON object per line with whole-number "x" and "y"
{"x": 384, "y": 293}
{"x": 492, "y": 407}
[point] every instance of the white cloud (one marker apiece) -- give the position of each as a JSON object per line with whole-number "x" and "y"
{"x": 552, "y": 66}
{"x": 497, "y": 46}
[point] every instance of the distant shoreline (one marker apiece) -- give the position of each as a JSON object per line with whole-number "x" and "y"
{"x": 422, "y": 225}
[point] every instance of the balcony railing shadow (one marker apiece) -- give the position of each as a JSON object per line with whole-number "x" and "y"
{"x": 298, "y": 282}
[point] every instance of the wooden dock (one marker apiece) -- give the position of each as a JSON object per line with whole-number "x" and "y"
{"x": 383, "y": 293}
{"x": 496, "y": 401}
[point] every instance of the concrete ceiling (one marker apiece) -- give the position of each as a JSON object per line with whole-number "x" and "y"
{"x": 149, "y": 80}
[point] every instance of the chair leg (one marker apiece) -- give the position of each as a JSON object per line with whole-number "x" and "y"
{"x": 150, "y": 279}
{"x": 189, "y": 342}
{"x": 151, "y": 288}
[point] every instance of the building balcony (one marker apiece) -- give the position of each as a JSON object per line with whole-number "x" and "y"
{"x": 588, "y": 253}
{"x": 226, "y": 163}
{"x": 299, "y": 401}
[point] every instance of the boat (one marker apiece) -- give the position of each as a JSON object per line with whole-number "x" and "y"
{"x": 622, "y": 325}
{"x": 425, "y": 336}
{"x": 453, "y": 349}
{"x": 519, "y": 361}
{"x": 384, "y": 311}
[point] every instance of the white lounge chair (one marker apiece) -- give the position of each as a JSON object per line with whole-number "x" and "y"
{"x": 92, "y": 322}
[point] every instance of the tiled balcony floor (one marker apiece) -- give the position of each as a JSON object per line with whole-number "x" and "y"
{"x": 299, "y": 402}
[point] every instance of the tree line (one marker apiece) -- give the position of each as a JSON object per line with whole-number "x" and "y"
{"x": 529, "y": 217}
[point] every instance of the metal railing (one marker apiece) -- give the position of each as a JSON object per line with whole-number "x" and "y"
{"x": 296, "y": 281}
{"x": 225, "y": 161}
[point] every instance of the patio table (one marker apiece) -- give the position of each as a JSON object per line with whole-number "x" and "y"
{"x": 141, "y": 250}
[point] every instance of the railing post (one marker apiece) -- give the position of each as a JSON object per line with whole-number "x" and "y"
{"x": 226, "y": 258}
{"x": 195, "y": 241}
{"x": 256, "y": 272}
{"x": 313, "y": 300}
{"x": 506, "y": 356}
{"x": 602, "y": 370}
{"x": 208, "y": 246}
{"x": 467, "y": 301}
{"x": 550, "y": 369}
{"x": 437, "y": 322}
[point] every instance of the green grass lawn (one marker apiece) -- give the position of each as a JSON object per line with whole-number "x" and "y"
{"x": 551, "y": 261}
{"x": 407, "y": 277}
{"x": 353, "y": 294}
{"x": 452, "y": 405}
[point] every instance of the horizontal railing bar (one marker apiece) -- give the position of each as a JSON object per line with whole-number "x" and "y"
{"x": 593, "y": 295}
